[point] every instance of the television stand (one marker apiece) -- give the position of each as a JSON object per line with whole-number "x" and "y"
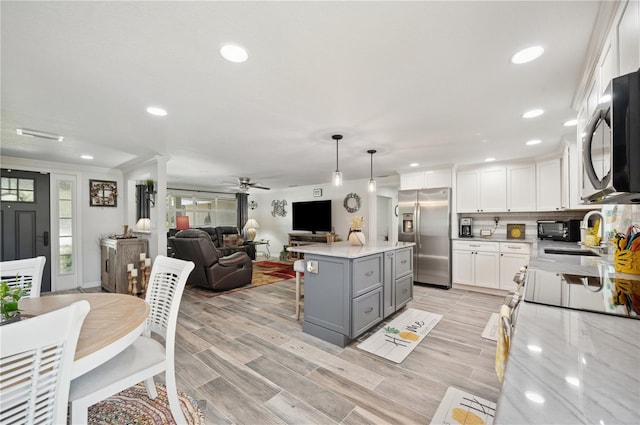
{"x": 299, "y": 239}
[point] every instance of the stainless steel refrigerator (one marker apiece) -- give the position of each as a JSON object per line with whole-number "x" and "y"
{"x": 425, "y": 218}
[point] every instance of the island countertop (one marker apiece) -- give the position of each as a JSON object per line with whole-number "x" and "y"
{"x": 346, "y": 250}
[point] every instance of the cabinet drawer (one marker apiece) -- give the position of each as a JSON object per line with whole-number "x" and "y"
{"x": 403, "y": 261}
{"x": 476, "y": 246}
{"x": 367, "y": 311}
{"x": 516, "y": 248}
{"x": 404, "y": 290}
{"x": 367, "y": 274}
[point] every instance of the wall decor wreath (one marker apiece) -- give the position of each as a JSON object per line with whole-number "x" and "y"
{"x": 103, "y": 193}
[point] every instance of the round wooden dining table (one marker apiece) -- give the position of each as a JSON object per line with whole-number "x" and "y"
{"x": 114, "y": 322}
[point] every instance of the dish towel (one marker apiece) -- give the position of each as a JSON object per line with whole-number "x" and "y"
{"x": 502, "y": 347}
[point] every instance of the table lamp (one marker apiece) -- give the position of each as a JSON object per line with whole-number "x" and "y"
{"x": 143, "y": 225}
{"x": 250, "y": 228}
{"x": 182, "y": 222}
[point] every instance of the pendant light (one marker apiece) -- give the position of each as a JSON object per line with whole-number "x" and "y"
{"x": 337, "y": 175}
{"x": 372, "y": 182}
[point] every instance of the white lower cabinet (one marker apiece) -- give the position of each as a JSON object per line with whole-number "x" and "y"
{"x": 476, "y": 263}
{"x": 488, "y": 264}
{"x": 512, "y": 256}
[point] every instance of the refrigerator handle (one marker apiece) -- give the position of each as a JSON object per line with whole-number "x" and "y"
{"x": 416, "y": 215}
{"x": 396, "y": 210}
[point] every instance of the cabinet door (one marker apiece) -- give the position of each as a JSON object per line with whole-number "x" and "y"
{"x": 493, "y": 190}
{"x": 510, "y": 265}
{"x": 440, "y": 178}
{"x": 629, "y": 39}
{"x": 548, "y": 188}
{"x": 389, "y": 304}
{"x": 467, "y": 191}
{"x": 412, "y": 180}
{"x": 367, "y": 274}
{"x": 487, "y": 267}
{"x": 462, "y": 265}
{"x": 404, "y": 291}
{"x": 521, "y": 184}
{"x": 367, "y": 311}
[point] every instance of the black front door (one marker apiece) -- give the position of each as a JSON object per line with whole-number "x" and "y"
{"x": 24, "y": 230}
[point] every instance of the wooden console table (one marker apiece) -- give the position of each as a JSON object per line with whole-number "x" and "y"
{"x": 299, "y": 239}
{"x": 116, "y": 254}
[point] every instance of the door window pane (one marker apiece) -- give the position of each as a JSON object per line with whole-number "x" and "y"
{"x": 65, "y": 226}
{"x": 17, "y": 190}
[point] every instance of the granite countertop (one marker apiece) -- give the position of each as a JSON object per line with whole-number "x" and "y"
{"x": 346, "y": 250}
{"x": 567, "y": 366}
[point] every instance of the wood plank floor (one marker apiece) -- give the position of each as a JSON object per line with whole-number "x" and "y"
{"x": 245, "y": 359}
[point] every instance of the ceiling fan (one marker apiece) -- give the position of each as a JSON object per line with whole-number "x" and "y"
{"x": 244, "y": 184}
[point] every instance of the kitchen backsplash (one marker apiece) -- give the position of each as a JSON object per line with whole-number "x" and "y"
{"x": 486, "y": 221}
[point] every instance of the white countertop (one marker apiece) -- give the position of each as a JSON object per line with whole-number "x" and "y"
{"x": 567, "y": 366}
{"x": 571, "y": 367}
{"x": 346, "y": 250}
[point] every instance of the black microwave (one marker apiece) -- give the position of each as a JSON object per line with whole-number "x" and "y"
{"x": 611, "y": 146}
{"x": 559, "y": 230}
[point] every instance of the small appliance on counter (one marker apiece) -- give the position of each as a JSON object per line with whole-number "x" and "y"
{"x": 559, "y": 230}
{"x": 465, "y": 227}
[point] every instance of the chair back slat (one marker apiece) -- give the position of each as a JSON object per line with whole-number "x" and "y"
{"x": 164, "y": 293}
{"x": 25, "y": 274}
{"x": 36, "y": 357}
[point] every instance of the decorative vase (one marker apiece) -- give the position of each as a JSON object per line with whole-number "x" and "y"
{"x": 356, "y": 237}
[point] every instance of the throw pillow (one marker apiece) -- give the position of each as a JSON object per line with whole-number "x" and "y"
{"x": 229, "y": 240}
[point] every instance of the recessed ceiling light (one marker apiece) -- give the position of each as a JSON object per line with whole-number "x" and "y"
{"x": 570, "y": 123}
{"x": 527, "y": 55}
{"x": 86, "y": 157}
{"x": 413, "y": 164}
{"x": 40, "y": 134}
{"x": 572, "y": 380}
{"x": 234, "y": 53}
{"x": 534, "y": 142}
{"x": 489, "y": 159}
{"x": 534, "y": 348}
{"x": 533, "y": 113}
{"x": 159, "y": 112}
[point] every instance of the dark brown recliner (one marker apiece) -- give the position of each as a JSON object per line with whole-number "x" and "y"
{"x": 211, "y": 271}
{"x": 217, "y": 235}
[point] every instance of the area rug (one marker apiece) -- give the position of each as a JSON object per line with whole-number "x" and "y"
{"x": 491, "y": 329}
{"x": 397, "y": 339}
{"x": 133, "y": 406}
{"x": 459, "y": 407}
{"x": 264, "y": 273}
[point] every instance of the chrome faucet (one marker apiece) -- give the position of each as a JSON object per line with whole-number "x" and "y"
{"x": 585, "y": 225}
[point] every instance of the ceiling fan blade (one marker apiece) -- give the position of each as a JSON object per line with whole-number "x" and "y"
{"x": 261, "y": 187}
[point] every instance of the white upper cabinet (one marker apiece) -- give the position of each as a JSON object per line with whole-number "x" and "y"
{"x": 628, "y": 37}
{"x": 425, "y": 179}
{"x": 549, "y": 185}
{"x": 483, "y": 190}
{"x": 521, "y": 187}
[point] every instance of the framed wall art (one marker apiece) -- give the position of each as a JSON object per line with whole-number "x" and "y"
{"x": 103, "y": 193}
{"x": 317, "y": 193}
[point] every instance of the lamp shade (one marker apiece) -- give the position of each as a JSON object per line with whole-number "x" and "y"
{"x": 250, "y": 228}
{"x": 251, "y": 224}
{"x": 143, "y": 225}
{"x": 182, "y": 222}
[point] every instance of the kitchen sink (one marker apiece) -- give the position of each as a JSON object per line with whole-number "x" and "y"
{"x": 564, "y": 251}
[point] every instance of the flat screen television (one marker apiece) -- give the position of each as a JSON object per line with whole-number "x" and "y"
{"x": 313, "y": 216}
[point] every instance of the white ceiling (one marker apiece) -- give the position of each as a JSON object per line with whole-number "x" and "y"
{"x": 426, "y": 82}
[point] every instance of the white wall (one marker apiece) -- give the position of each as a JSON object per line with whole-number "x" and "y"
{"x": 276, "y": 229}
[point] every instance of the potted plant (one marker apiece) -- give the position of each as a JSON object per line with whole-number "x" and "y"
{"x": 9, "y": 298}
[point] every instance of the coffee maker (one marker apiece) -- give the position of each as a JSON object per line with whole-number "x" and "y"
{"x": 465, "y": 227}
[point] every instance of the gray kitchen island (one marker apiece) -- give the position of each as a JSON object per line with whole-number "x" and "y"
{"x": 349, "y": 289}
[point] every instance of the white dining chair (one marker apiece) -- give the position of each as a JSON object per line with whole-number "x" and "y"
{"x": 146, "y": 357}
{"x": 36, "y": 357}
{"x": 26, "y": 274}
